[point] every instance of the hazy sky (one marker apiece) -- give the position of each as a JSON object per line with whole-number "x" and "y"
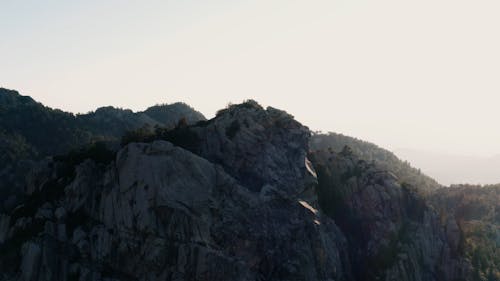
{"x": 403, "y": 74}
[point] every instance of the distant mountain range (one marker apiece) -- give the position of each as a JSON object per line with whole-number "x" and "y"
{"x": 250, "y": 194}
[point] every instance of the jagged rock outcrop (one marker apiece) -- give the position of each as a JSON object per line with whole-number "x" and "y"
{"x": 237, "y": 197}
{"x": 30, "y": 131}
{"x": 393, "y": 233}
{"x": 259, "y": 148}
{"x": 159, "y": 212}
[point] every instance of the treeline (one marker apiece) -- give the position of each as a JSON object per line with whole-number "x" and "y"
{"x": 372, "y": 153}
{"x": 29, "y": 129}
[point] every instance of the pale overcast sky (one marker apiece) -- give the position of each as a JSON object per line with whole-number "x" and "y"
{"x": 403, "y": 74}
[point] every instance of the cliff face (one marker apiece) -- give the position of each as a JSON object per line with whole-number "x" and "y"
{"x": 261, "y": 148}
{"x": 30, "y": 131}
{"x": 159, "y": 212}
{"x": 392, "y": 232}
{"x": 237, "y": 197}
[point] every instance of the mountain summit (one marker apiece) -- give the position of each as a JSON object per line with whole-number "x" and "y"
{"x": 248, "y": 195}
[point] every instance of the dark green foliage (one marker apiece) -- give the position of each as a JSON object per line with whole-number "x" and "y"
{"x": 346, "y": 151}
{"x": 13, "y": 147}
{"x": 369, "y": 152}
{"x": 475, "y": 209}
{"x": 341, "y": 175}
{"x": 387, "y": 256}
{"x": 143, "y": 134}
{"x": 110, "y": 123}
{"x": 248, "y": 104}
{"x": 47, "y": 131}
{"x": 51, "y": 190}
{"x": 29, "y": 130}
{"x": 332, "y": 193}
{"x": 182, "y": 136}
{"x": 332, "y": 181}
{"x": 168, "y": 114}
{"x": 98, "y": 152}
{"x": 355, "y": 171}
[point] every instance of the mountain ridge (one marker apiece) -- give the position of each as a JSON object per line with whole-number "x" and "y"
{"x": 23, "y": 116}
{"x": 250, "y": 194}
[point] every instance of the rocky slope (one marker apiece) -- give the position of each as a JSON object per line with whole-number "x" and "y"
{"x": 237, "y": 197}
{"x": 476, "y": 212}
{"x": 393, "y": 233}
{"x": 160, "y": 212}
{"x": 30, "y": 131}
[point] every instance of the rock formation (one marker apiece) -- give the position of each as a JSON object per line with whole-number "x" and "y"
{"x": 160, "y": 212}
{"x": 237, "y": 197}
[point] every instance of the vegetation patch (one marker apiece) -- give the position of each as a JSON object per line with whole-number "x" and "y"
{"x": 182, "y": 135}
{"x": 98, "y": 152}
{"x": 248, "y": 104}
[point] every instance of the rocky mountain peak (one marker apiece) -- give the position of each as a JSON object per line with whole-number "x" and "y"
{"x": 160, "y": 212}
{"x": 259, "y": 147}
{"x": 237, "y": 197}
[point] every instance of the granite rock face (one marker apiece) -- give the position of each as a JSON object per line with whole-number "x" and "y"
{"x": 160, "y": 212}
{"x": 393, "y": 233}
{"x": 30, "y": 131}
{"x": 237, "y": 197}
{"x": 259, "y": 147}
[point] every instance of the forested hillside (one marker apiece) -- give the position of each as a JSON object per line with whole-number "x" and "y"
{"x": 30, "y": 129}
{"x": 370, "y": 152}
{"x": 251, "y": 194}
{"x": 476, "y": 209}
